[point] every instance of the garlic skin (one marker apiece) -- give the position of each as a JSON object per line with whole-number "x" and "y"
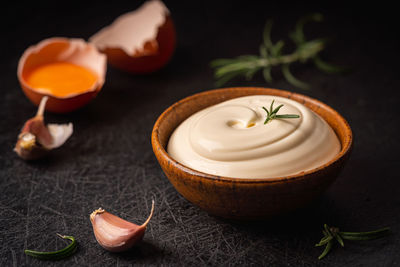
{"x": 60, "y": 134}
{"x": 27, "y": 149}
{"x": 35, "y": 139}
{"x": 115, "y": 234}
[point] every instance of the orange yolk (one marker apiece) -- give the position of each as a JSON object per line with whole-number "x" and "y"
{"x": 61, "y": 79}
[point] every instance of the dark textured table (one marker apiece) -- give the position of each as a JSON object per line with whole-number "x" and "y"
{"x": 109, "y": 162}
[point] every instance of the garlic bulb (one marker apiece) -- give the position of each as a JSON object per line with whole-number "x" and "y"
{"x": 116, "y": 234}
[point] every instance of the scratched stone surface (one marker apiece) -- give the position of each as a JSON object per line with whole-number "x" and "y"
{"x": 108, "y": 162}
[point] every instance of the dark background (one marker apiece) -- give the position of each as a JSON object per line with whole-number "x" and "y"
{"x": 109, "y": 162}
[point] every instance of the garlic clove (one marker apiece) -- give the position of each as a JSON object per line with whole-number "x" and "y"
{"x": 35, "y": 139}
{"x": 116, "y": 234}
{"x": 36, "y": 127}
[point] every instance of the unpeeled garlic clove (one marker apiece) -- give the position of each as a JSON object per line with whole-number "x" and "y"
{"x": 35, "y": 139}
{"x": 116, "y": 234}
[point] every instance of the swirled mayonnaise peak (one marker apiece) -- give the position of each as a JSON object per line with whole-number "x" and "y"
{"x": 230, "y": 139}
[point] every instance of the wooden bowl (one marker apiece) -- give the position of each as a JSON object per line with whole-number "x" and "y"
{"x": 247, "y": 199}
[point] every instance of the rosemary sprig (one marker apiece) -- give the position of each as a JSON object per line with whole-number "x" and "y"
{"x": 55, "y": 255}
{"x": 333, "y": 233}
{"x": 272, "y": 113}
{"x": 271, "y": 55}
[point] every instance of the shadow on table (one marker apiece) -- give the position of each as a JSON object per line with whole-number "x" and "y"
{"x": 140, "y": 252}
{"x": 306, "y": 221}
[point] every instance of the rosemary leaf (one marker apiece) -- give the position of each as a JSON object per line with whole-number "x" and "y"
{"x": 310, "y": 49}
{"x": 272, "y": 113}
{"x": 263, "y": 51}
{"x": 360, "y": 238}
{"x": 324, "y": 241}
{"x": 236, "y": 67}
{"x": 380, "y": 231}
{"x": 250, "y": 73}
{"x": 287, "y": 116}
{"x": 271, "y": 107}
{"x": 266, "y": 110}
{"x": 267, "y": 34}
{"x": 55, "y": 255}
{"x": 221, "y": 62}
{"x": 328, "y": 68}
{"x": 277, "y": 108}
{"x": 267, "y": 74}
{"x": 276, "y": 49}
{"x": 298, "y": 34}
{"x": 331, "y": 233}
{"x": 272, "y": 55}
{"x": 365, "y": 235}
{"x": 339, "y": 239}
{"x": 293, "y": 80}
{"x": 326, "y": 250}
{"x": 248, "y": 57}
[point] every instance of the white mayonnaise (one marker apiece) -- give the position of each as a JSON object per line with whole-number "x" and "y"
{"x": 230, "y": 139}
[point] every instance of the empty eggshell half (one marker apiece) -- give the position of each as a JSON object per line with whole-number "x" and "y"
{"x": 140, "y": 41}
{"x": 52, "y": 50}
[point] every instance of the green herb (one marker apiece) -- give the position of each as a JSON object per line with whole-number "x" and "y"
{"x": 55, "y": 255}
{"x": 333, "y": 233}
{"x": 271, "y": 55}
{"x": 272, "y": 113}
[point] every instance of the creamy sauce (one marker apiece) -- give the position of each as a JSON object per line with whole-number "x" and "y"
{"x": 230, "y": 139}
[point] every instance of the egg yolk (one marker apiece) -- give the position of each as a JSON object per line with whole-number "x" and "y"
{"x": 61, "y": 79}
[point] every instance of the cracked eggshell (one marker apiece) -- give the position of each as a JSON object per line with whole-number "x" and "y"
{"x": 140, "y": 41}
{"x": 58, "y": 49}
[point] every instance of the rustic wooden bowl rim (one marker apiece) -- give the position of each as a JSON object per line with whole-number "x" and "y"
{"x": 346, "y": 146}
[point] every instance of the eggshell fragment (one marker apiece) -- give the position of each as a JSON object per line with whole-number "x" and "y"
{"x": 140, "y": 41}
{"x": 75, "y": 51}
